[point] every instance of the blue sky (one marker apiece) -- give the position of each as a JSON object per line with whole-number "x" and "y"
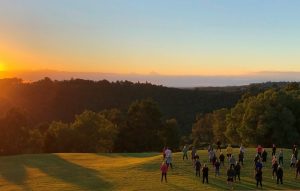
{"x": 169, "y": 37}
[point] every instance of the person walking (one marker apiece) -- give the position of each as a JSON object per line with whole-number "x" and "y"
{"x": 185, "y": 151}
{"x": 279, "y": 175}
{"x": 274, "y": 169}
{"x": 296, "y": 153}
{"x": 197, "y": 167}
{"x": 297, "y": 168}
{"x": 222, "y": 158}
{"x": 214, "y": 159}
{"x": 242, "y": 149}
{"x": 168, "y": 153}
{"x": 273, "y": 150}
{"x": 294, "y": 147}
{"x": 230, "y": 176}
{"x": 280, "y": 157}
{"x": 258, "y": 177}
{"x": 293, "y": 161}
{"x": 241, "y": 158}
{"x": 219, "y": 146}
{"x": 256, "y": 159}
{"x": 258, "y": 165}
{"x": 164, "y": 152}
{"x": 232, "y": 161}
{"x": 209, "y": 148}
{"x": 274, "y": 159}
{"x": 264, "y": 156}
{"x": 259, "y": 150}
{"x": 164, "y": 170}
{"x": 193, "y": 153}
{"x": 211, "y": 155}
{"x": 237, "y": 170}
{"x": 205, "y": 174}
{"x": 217, "y": 168}
{"x": 229, "y": 151}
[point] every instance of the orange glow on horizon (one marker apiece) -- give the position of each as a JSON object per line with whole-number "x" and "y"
{"x": 16, "y": 57}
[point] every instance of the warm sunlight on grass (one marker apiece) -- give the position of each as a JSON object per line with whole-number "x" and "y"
{"x": 126, "y": 172}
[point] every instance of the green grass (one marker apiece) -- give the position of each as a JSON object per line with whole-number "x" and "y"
{"x": 125, "y": 172}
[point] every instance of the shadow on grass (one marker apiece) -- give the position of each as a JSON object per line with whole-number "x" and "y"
{"x": 54, "y": 166}
{"x": 14, "y": 171}
{"x": 174, "y": 186}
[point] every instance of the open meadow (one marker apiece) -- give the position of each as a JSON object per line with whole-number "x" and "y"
{"x": 126, "y": 172}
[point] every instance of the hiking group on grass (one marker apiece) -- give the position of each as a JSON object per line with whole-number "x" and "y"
{"x": 234, "y": 166}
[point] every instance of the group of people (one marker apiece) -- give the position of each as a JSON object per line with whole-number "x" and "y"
{"x": 234, "y": 166}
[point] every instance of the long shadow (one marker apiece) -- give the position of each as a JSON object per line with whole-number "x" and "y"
{"x": 13, "y": 170}
{"x": 59, "y": 168}
{"x": 177, "y": 187}
{"x": 56, "y": 167}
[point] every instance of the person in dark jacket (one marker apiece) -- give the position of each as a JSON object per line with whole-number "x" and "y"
{"x": 237, "y": 170}
{"x": 217, "y": 168}
{"x": 222, "y": 158}
{"x": 259, "y": 165}
{"x": 279, "y": 174}
{"x": 230, "y": 176}
{"x": 258, "y": 177}
{"x": 264, "y": 156}
{"x": 297, "y": 168}
{"x": 275, "y": 168}
{"x": 273, "y": 150}
{"x": 296, "y": 153}
{"x": 205, "y": 174}
{"x": 193, "y": 153}
{"x": 256, "y": 159}
{"x": 197, "y": 167}
{"x": 219, "y": 145}
{"x": 259, "y": 150}
{"x": 241, "y": 158}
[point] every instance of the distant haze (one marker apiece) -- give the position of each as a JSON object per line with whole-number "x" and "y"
{"x": 165, "y": 80}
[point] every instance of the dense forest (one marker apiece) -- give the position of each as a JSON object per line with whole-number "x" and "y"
{"x": 100, "y": 116}
{"x": 272, "y": 116}
{"x": 48, "y": 100}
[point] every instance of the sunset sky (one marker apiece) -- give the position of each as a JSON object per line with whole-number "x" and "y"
{"x": 169, "y": 37}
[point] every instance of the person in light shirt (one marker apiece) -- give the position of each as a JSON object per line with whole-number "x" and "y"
{"x": 229, "y": 151}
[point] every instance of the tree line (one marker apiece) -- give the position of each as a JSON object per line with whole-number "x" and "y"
{"x": 272, "y": 116}
{"x": 49, "y": 100}
{"x": 139, "y": 129}
{"x": 35, "y": 117}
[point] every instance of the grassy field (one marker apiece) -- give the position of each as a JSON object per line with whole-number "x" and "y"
{"x": 125, "y": 172}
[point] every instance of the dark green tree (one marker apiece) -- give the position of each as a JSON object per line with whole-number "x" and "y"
{"x": 170, "y": 134}
{"x": 143, "y": 126}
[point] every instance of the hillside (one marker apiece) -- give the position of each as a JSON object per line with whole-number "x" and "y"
{"x": 123, "y": 172}
{"x": 48, "y": 100}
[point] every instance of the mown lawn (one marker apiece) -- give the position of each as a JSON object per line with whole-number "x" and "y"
{"x": 126, "y": 172}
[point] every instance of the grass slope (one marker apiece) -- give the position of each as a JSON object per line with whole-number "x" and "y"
{"x": 125, "y": 172}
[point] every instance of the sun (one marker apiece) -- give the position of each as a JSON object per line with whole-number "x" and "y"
{"x": 2, "y": 66}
